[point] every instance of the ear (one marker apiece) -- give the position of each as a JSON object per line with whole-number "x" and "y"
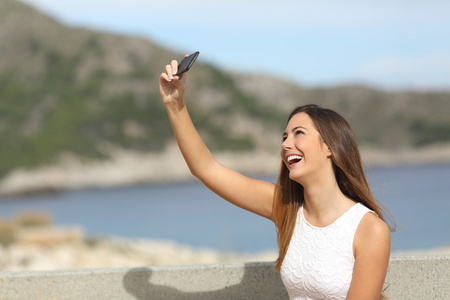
{"x": 328, "y": 151}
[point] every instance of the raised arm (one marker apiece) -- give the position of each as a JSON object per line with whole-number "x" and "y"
{"x": 250, "y": 194}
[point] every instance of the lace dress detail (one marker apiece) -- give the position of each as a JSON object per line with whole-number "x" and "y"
{"x": 319, "y": 261}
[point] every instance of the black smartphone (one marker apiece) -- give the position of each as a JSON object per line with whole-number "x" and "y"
{"x": 186, "y": 63}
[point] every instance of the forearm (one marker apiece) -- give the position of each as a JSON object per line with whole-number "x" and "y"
{"x": 197, "y": 156}
{"x": 253, "y": 195}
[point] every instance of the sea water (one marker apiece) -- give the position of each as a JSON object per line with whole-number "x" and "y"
{"x": 188, "y": 213}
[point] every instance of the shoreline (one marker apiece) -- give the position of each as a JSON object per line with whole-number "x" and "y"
{"x": 50, "y": 248}
{"x": 126, "y": 168}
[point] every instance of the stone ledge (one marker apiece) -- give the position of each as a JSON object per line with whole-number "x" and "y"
{"x": 409, "y": 278}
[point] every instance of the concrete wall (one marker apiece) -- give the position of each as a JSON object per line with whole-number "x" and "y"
{"x": 409, "y": 278}
{"x": 419, "y": 278}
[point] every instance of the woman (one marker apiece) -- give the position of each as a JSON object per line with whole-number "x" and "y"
{"x": 333, "y": 242}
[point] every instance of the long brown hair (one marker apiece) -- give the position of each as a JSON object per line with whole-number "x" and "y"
{"x": 348, "y": 169}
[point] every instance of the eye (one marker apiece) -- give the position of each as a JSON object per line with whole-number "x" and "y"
{"x": 283, "y": 138}
{"x": 298, "y": 131}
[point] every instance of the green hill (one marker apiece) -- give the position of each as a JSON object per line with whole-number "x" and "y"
{"x": 69, "y": 90}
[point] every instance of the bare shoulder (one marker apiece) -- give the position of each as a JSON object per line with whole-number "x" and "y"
{"x": 371, "y": 223}
{"x": 371, "y": 247}
{"x": 373, "y": 234}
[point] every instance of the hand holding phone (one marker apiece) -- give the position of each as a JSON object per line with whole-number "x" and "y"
{"x": 186, "y": 63}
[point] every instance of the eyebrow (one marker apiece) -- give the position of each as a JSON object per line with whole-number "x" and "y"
{"x": 294, "y": 129}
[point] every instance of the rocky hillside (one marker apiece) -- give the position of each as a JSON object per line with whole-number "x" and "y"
{"x": 78, "y": 93}
{"x": 381, "y": 119}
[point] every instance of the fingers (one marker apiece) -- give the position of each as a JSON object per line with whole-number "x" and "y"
{"x": 168, "y": 73}
{"x": 174, "y": 65}
{"x": 171, "y": 70}
{"x": 165, "y": 77}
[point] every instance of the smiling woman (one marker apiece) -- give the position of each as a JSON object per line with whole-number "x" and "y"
{"x": 333, "y": 241}
{"x": 314, "y": 136}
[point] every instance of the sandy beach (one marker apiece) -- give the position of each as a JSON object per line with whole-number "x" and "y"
{"x": 68, "y": 248}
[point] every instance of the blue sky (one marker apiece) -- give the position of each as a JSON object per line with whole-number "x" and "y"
{"x": 394, "y": 44}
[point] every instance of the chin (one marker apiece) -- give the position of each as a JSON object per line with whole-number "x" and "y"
{"x": 295, "y": 176}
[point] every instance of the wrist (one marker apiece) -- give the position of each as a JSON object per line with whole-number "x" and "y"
{"x": 175, "y": 106}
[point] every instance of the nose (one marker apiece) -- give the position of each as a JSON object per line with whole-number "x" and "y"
{"x": 286, "y": 145}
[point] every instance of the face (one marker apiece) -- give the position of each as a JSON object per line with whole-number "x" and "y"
{"x": 303, "y": 150}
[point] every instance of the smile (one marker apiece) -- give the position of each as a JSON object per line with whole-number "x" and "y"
{"x": 293, "y": 159}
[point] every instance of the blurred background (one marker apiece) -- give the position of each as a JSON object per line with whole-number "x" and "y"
{"x": 89, "y": 172}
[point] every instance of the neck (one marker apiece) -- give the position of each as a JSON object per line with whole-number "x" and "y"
{"x": 324, "y": 201}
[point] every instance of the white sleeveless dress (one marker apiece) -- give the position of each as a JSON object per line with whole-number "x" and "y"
{"x": 319, "y": 261}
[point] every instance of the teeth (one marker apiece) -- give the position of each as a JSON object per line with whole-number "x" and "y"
{"x": 292, "y": 157}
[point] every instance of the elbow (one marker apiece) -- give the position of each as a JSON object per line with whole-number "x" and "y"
{"x": 195, "y": 173}
{"x": 204, "y": 171}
